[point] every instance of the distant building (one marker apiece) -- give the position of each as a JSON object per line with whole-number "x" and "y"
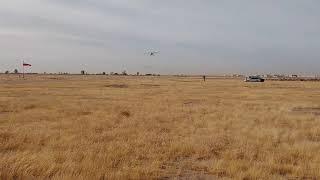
{"x": 237, "y": 75}
{"x": 270, "y": 76}
{"x": 124, "y": 73}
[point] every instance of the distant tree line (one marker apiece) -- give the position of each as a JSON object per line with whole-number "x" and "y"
{"x": 15, "y": 71}
{"x": 83, "y": 72}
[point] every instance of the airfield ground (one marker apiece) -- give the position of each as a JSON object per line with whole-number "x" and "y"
{"x": 95, "y": 127}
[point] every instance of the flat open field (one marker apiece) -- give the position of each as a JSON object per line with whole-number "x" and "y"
{"x": 95, "y": 127}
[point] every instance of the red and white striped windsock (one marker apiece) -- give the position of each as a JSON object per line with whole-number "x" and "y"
{"x": 26, "y": 64}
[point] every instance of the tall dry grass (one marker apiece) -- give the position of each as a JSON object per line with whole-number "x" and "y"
{"x": 95, "y": 127}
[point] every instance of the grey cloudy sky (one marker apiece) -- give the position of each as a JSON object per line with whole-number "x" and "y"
{"x": 194, "y": 36}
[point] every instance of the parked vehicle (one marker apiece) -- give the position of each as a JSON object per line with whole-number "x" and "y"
{"x": 254, "y": 79}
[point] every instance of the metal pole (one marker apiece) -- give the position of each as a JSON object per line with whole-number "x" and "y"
{"x": 23, "y": 69}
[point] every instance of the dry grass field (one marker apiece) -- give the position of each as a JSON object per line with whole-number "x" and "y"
{"x": 103, "y": 127}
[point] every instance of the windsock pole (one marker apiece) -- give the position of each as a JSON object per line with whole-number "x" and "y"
{"x": 23, "y": 69}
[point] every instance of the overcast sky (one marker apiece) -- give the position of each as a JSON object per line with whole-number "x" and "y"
{"x": 194, "y": 36}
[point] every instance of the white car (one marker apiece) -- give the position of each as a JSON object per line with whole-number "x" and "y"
{"x": 254, "y": 79}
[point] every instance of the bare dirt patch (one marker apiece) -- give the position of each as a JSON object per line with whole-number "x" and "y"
{"x": 28, "y": 107}
{"x": 5, "y": 109}
{"x": 150, "y": 85}
{"x": 192, "y": 101}
{"x": 57, "y": 78}
{"x": 117, "y": 86}
{"x": 84, "y": 113}
{"x": 5, "y": 136}
{"x": 125, "y": 114}
{"x": 307, "y": 110}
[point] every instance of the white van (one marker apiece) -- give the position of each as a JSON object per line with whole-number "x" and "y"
{"x": 254, "y": 79}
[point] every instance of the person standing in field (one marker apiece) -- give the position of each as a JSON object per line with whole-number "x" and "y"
{"x": 204, "y": 78}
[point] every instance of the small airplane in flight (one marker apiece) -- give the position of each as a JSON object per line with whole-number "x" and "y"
{"x": 152, "y": 53}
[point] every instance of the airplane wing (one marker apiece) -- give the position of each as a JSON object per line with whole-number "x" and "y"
{"x": 151, "y": 53}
